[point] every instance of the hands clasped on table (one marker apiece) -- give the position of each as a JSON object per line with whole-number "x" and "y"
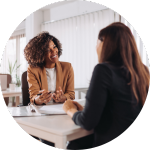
{"x": 46, "y": 96}
{"x": 43, "y": 97}
{"x": 70, "y": 107}
{"x": 59, "y": 96}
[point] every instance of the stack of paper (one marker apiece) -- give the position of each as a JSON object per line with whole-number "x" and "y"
{"x": 51, "y": 109}
{"x": 56, "y": 108}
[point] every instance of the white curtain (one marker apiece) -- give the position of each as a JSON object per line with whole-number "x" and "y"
{"x": 78, "y": 36}
{"x": 9, "y": 53}
{"x": 12, "y": 52}
{"x": 140, "y": 45}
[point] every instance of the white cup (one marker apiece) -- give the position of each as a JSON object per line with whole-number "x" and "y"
{"x": 12, "y": 86}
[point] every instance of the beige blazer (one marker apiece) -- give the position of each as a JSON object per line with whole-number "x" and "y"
{"x": 37, "y": 80}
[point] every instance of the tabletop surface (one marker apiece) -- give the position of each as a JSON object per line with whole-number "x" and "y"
{"x": 8, "y": 91}
{"x": 56, "y": 124}
{"x": 18, "y": 90}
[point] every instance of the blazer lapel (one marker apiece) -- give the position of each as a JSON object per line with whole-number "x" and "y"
{"x": 44, "y": 80}
{"x": 58, "y": 75}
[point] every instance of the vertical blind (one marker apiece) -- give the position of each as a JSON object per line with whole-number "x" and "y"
{"x": 78, "y": 36}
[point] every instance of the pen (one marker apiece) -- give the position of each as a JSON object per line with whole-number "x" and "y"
{"x": 41, "y": 93}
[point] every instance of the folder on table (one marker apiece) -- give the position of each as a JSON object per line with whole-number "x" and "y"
{"x": 52, "y": 109}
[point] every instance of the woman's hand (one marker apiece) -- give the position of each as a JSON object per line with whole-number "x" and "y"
{"x": 79, "y": 107}
{"x": 45, "y": 97}
{"x": 59, "y": 96}
{"x": 69, "y": 107}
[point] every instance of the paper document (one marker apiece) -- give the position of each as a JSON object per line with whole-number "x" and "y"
{"x": 55, "y": 108}
{"x": 21, "y": 112}
{"x": 52, "y": 109}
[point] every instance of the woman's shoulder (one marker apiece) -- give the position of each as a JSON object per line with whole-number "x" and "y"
{"x": 103, "y": 67}
{"x": 65, "y": 64}
{"x": 33, "y": 69}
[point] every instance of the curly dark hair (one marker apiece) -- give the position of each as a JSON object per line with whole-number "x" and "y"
{"x": 37, "y": 47}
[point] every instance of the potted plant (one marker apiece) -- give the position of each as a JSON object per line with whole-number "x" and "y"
{"x": 12, "y": 68}
{"x": 18, "y": 82}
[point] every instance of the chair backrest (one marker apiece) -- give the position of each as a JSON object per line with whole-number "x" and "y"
{"x": 25, "y": 89}
{"x": 8, "y": 79}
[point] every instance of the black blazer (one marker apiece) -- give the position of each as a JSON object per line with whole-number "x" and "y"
{"x": 110, "y": 104}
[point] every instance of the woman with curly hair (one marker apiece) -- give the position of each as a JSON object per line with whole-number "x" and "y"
{"x": 46, "y": 75}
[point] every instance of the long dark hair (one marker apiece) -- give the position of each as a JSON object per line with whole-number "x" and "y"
{"x": 119, "y": 47}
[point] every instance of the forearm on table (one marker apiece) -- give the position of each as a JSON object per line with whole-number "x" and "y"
{"x": 71, "y": 112}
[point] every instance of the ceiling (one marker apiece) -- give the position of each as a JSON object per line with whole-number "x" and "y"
{"x": 56, "y": 4}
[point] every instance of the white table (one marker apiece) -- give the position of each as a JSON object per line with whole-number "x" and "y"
{"x": 17, "y": 92}
{"x": 13, "y": 93}
{"x": 55, "y": 128}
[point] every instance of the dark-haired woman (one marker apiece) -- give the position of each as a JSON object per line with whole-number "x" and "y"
{"x": 46, "y": 73}
{"x": 117, "y": 91}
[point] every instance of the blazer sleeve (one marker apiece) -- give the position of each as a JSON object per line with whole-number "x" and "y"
{"x": 69, "y": 90}
{"x": 96, "y": 98}
{"x": 34, "y": 87}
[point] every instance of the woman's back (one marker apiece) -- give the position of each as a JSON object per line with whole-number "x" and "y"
{"x": 111, "y": 104}
{"x": 121, "y": 108}
{"x": 117, "y": 92}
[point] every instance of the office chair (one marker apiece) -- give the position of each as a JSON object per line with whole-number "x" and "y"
{"x": 8, "y": 81}
{"x": 25, "y": 91}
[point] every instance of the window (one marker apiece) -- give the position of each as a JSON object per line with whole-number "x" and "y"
{"x": 14, "y": 51}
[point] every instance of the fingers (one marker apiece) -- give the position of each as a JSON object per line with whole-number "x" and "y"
{"x": 58, "y": 94}
{"x": 41, "y": 91}
{"x": 75, "y": 102}
{"x": 55, "y": 98}
{"x": 48, "y": 98}
{"x": 69, "y": 104}
{"x": 79, "y": 107}
{"x": 60, "y": 90}
{"x": 45, "y": 97}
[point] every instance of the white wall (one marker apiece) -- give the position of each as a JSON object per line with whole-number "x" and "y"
{"x": 61, "y": 12}
{"x": 88, "y": 7}
{"x": 33, "y": 24}
{"x": 46, "y": 14}
{"x": 21, "y": 25}
{"x": 29, "y": 27}
{"x": 20, "y": 29}
{"x": 74, "y": 9}
{"x": 38, "y": 19}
